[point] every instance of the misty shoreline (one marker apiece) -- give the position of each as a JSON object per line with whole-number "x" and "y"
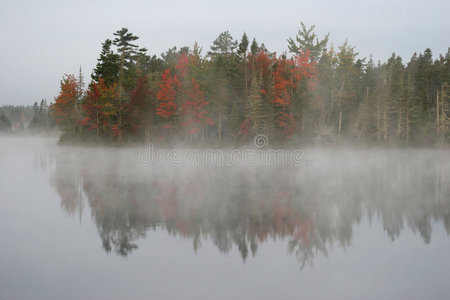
{"x": 54, "y": 139}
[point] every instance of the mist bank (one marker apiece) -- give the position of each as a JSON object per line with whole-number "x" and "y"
{"x": 313, "y": 206}
{"x": 364, "y": 213}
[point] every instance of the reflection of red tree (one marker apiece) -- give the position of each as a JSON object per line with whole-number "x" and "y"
{"x": 302, "y": 229}
{"x": 166, "y": 200}
{"x": 284, "y": 220}
{"x": 68, "y": 195}
{"x": 280, "y": 212}
{"x": 179, "y": 212}
{"x": 170, "y": 207}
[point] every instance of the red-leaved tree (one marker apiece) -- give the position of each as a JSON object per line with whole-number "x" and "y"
{"x": 166, "y": 95}
{"x": 195, "y": 116}
{"x": 98, "y": 108}
{"x": 64, "y": 109}
{"x": 181, "y": 100}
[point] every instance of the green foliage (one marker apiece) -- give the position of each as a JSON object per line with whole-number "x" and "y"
{"x": 254, "y": 47}
{"x": 41, "y": 120}
{"x": 306, "y": 39}
{"x": 5, "y": 124}
{"x": 223, "y": 45}
{"x": 108, "y": 65}
{"x": 243, "y": 45}
{"x": 241, "y": 89}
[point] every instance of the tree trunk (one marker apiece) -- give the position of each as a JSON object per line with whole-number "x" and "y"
{"x": 97, "y": 121}
{"x": 219, "y": 133}
{"x": 378, "y": 119}
{"x": 340, "y": 122}
{"x": 407, "y": 119}
{"x": 438, "y": 125}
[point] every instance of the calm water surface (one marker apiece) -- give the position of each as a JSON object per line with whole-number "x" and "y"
{"x": 93, "y": 223}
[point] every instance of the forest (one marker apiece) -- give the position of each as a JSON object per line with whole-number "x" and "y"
{"x": 312, "y": 93}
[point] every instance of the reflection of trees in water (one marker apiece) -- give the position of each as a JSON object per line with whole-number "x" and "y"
{"x": 68, "y": 185}
{"x": 312, "y": 207}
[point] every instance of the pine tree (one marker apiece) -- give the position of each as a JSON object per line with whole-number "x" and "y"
{"x": 345, "y": 90}
{"x": 396, "y": 100}
{"x": 127, "y": 71}
{"x": 306, "y": 39}
{"x": 223, "y": 45}
{"x": 324, "y": 94}
{"x": 242, "y": 52}
{"x": 127, "y": 52}
{"x": 254, "y": 48}
{"x": 412, "y": 106}
{"x": 108, "y": 65}
{"x": 243, "y": 46}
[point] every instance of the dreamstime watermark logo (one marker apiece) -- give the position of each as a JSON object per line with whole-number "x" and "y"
{"x": 261, "y": 141}
{"x": 259, "y": 155}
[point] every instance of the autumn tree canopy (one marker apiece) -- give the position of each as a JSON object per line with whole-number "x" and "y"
{"x": 310, "y": 93}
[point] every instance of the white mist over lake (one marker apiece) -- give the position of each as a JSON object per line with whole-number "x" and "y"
{"x": 98, "y": 223}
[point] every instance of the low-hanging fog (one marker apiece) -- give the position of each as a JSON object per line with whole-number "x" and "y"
{"x": 315, "y": 200}
{"x": 312, "y": 208}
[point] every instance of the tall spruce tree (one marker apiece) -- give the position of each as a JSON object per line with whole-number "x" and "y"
{"x": 127, "y": 71}
{"x": 127, "y": 52}
{"x": 108, "y": 65}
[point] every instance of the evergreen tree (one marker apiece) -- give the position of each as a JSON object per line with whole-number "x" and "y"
{"x": 254, "y": 48}
{"x": 40, "y": 121}
{"x": 237, "y": 89}
{"x": 5, "y": 124}
{"x": 306, "y": 39}
{"x": 127, "y": 52}
{"x": 345, "y": 90}
{"x": 412, "y": 106}
{"x": 108, "y": 65}
{"x": 223, "y": 45}
{"x": 242, "y": 52}
{"x": 396, "y": 100}
{"x": 127, "y": 72}
{"x": 243, "y": 45}
{"x": 256, "y": 111}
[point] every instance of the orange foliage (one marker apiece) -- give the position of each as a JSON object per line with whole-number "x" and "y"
{"x": 64, "y": 108}
{"x": 166, "y": 95}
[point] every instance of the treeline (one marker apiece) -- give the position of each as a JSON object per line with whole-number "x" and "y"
{"x": 15, "y": 118}
{"x": 32, "y": 119}
{"x": 311, "y": 93}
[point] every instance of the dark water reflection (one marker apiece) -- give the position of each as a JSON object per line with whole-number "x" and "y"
{"x": 311, "y": 207}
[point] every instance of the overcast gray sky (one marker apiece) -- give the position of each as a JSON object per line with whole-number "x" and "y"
{"x": 42, "y": 40}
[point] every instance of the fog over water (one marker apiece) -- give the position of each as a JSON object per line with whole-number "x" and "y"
{"x": 101, "y": 223}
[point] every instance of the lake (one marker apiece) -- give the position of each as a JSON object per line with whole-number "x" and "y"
{"x": 105, "y": 223}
